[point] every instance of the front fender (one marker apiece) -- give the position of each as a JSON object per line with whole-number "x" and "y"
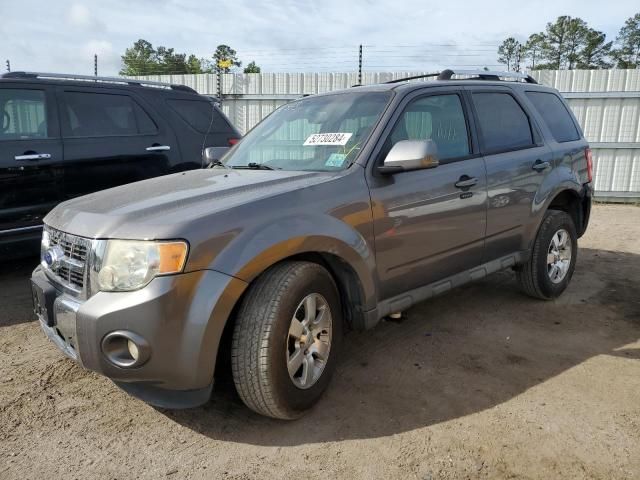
{"x": 254, "y": 250}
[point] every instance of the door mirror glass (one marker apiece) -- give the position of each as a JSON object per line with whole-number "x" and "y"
{"x": 408, "y": 155}
{"x": 214, "y": 154}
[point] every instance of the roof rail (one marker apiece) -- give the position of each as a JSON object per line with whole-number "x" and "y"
{"x": 89, "y": 78}
{"x": 415, "y": 77}
{"x": 472, "y": 74}
{"x": 486, "y": 75}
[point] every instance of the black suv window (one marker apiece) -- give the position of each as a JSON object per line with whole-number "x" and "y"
{"x": 555, "y": 115}
{"x": 503, "y": 123}
{"x": 23, "y": 114}
{"x": 198, "y": 115}
{"x": 105, "y": 114}
{"x": 439, "y": 118}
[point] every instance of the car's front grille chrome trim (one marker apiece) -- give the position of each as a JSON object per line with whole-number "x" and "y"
{"x": 70, "y": 270}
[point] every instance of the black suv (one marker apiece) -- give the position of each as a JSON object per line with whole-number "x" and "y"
{"x": 63, "y": 136}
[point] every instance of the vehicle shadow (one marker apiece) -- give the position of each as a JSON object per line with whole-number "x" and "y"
{"x": 15, "y": 291}
{"x": 464, "y": 352}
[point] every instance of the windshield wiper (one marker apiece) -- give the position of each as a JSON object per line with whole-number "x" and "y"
{"x": 254, "y": 166}
{"x": 218, "y": 163}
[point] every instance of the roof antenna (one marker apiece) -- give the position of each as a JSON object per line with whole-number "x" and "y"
{"x": 204, "y": 140}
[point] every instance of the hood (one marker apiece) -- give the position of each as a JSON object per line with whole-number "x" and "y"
{"x": 159, "y": 207}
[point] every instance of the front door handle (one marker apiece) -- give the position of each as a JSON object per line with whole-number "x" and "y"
{"x": 33, "y": 156}
{"x": 466, "y": 182}
{"x": 158, "y": 148}
{"x": 539, "y": 165}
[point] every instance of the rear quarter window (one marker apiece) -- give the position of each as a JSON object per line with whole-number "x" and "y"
{"x": 197, "y": 114}
{"x": 555, "y": 115}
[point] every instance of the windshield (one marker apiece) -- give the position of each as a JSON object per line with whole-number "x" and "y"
{"x": 322, "y": 133}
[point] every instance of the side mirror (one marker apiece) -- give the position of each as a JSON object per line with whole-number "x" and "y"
{"x": 213, "y": 154}
{"x": 410, "y": 155}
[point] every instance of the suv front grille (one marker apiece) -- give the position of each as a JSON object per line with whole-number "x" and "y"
{"x": 70, "y": 270}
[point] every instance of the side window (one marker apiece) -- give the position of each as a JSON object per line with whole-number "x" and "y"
{"x": 104, "y": 115}
{"x": 24, "y": 114}
{"x": 503, "y": 123}
{"x": 197, "y": 114}
{"x": 439, "y": 118}
{"x": 555, "y": 115}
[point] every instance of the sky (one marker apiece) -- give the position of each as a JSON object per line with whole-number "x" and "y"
{"x": 285, "y": 35}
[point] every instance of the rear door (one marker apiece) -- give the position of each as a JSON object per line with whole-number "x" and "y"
{"x": 30, "y": 156}
{"x": 110, "y": 139}
{"x": 517, "y": 162}
{"x": 430, "y": 224}
{"x": 561, "y": 131}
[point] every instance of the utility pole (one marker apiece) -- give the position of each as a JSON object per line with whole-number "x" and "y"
{"x": 8, "y": 65}
{"x": 95, "y": 64}
{"x": 219, "y": 85}
{"x": 360, "y": 66}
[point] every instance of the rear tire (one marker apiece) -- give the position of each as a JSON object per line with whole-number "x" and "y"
{"x": 286, "y": 339}
{"x": 548, "y": 271}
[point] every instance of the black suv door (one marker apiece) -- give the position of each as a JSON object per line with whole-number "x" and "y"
{"x": 110, "y": 139}
{"x": 30, "y": 156}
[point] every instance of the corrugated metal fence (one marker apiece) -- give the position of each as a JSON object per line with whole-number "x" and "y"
{"x": 606, "y": 103}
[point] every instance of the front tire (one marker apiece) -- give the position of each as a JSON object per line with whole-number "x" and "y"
{"x": 548, "y": 271}
{"x": 286, "y": 339}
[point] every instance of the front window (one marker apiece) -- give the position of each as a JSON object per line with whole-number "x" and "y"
{"x": 323, "y": 133}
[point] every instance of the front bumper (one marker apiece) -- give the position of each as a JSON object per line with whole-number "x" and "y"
{"x": 181, "y": 317}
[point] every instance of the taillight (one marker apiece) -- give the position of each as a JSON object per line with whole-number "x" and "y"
{"x": 233, "y": 141}
{"x": 589, "y": 158}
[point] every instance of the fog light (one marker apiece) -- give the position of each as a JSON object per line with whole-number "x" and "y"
{"x": 133, "y": 350}
{"x": 125, "y": 349}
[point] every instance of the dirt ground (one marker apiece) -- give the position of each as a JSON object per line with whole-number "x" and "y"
{"x": 480, "y": 383}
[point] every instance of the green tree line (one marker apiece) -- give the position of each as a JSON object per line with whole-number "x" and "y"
{"x": 570, "y": 43}
{"x": 145, "y": 59}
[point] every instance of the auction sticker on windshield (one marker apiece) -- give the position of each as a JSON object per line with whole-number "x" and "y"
{"x": 327, "y": 139}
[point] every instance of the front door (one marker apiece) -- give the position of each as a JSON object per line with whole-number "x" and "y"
{"x": 110, "y": 140}
{"x": 30, "y": 157}
{"x": 430, "y": 224}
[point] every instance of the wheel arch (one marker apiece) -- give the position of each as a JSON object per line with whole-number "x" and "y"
{"x": 350, "y": 288}
{"x": 566, "y": 196}
{"x": 571, "y": 202}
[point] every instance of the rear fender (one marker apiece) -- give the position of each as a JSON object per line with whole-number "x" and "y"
{"x": 543, "y": 199}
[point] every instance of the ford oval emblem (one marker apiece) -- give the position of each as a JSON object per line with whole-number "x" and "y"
{"x": 52, "y": 256}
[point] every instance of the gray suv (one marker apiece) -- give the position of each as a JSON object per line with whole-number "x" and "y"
{"x": 334, "y": 212}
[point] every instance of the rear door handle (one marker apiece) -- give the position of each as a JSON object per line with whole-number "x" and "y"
{"x": 539, "y": 165}
{"x": 466, "y": 182}
{"x": 158, "y": 148}
{"x": 33, "y": 156}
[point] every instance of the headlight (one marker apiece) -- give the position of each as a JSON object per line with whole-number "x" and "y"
{"x": 132, "y": 264}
